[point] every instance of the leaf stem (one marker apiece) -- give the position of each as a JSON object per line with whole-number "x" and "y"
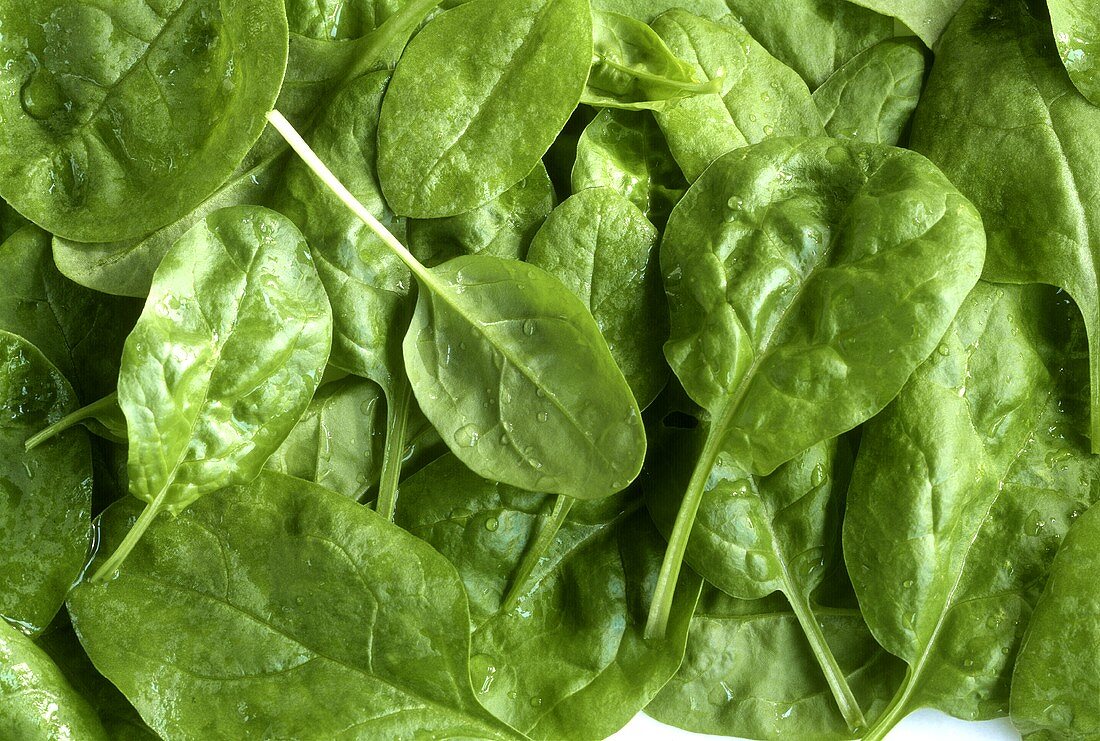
{"x": 537, "y": 550}
{"x": 394, "y": 455}
{"x": 141, "y": 524}
{"x": 894, "y": 712}
{"x": 834, "y": 675}
{"x": 72, "y": 420}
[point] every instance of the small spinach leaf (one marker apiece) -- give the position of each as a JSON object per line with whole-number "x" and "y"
{"x": 108, "y": 106}
{"x": 453, "y": 136}
{"x": 928, "y": 18}
{"x": 385, "y": 655}
{"x": 1077, "y": 35}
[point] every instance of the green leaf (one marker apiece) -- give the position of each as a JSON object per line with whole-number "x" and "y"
{"x": 1055, "y": 685}
{"x": 107, "y": 107}
{"x": 339, "y": 440}
{"x": 605, "y": 251}
{"x": 569, "y": 661}
{"x": 813, "y": 37}
{"x": 633, "y": 69}
{"x": 10, "y": 221}
{"x": 807, "y": 279}
{"x": 36, "y": 701}
{"x": 338, "y": 19}
{"x": 503, "y": 227}
{"x": 455, "y": 135}
{"x": 246, "y": 575}
{"x": 1002, "y": 119}
{"x": 626, "y": 151}
{"x": 45, "y": 494}
{"x": 223, "y": 362}
{"x": 928, "y": 18}
{"x": 760, "y": 96}
{"x": 648, "y": 10}
{"x": 79, "y": 331}
{"x": 748, "y": 671}
{"x": 963, "y": 489}
{"x": 873, "y": 96}
{"x": 1077, "y": 35}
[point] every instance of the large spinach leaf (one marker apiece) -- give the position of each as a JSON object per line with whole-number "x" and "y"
{"x": 760, "y": 96}
{"x": 45, "y": 494}
{"x": 748, "y": 671}
{"x": 807, "y": 279}
{"x": 605, "y": 251}
{"x": 385, "y": 655}
{"x": 453, "y": 136}
{"x": 928, "y": 18}
{"x": 223, "y": 361}
{"x": 873, "y": 96}
{"x": 569, "y": 661}
{"x": 1057, "y": 677}
{"x": 626, "y": 151}
{"x": 1077, "y": 34}
{"x": 1002, "y": 119}
{"x": 105, "y": 106}
{"x": 963, "y": 489}
{"x": 36, "y": 701}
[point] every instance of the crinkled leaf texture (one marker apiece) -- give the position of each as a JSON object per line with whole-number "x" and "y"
{"x": 963, "y": 488}
{"x": 569, "y": 661}
{"x": 109, "y": 106}
{"x": 305, "y": 615}
{"x": 225, "y": 357}
{"x": 45, "y": 493}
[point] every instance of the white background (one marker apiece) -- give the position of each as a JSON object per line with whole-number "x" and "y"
{"x": 923, "y": 725}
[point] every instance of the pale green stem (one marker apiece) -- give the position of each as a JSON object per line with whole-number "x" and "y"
{"x": 394, "y": 455}
{"x": 538, "y": 549}
{"x": 895, "y": 711}
{"x": 144, "y": 520}
{"x": 72, "y": 420}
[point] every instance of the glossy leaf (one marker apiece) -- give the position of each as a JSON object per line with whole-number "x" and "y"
{"x": 105, "y": 107}
{"x": 36, "y": 701}
{"x": 237, "y": 319}
{"x": 338, "y": 19}
{"x": 963, "y": 489}
{"x": 633, "y": 69}
{"x": 1006, "y": 125}
{"x": 813, "y": 37}
{"x": 569, "y": 662}
{"x": 760, "y": 96}
{"x": 807, "y": 279}
{"x": 928, "y": 18}
{"x": 873, "y": 96}
{"x": 79, "y": 331}
{"x": 626, "y": 151}
{"x": 648, "y": 10}
{"x": 45, "y": 494}
{"x": 384, "y": 656}
{"x": 605, "y": 251}
{"x": 748, "y": 671}
{"x": 453, "y": 136}
{"x": 503, "y": 227}
{"x": 1077, "y": 36}
{"x": 1057, "y": 677}
{"x": 338, "y": 442}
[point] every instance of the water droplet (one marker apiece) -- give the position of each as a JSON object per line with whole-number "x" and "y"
{"x": 484, "y": 667}
{"x": 535, "y": 702}
{"x": 467, "y": 436}
{"x": 817, "y": 478}
{"x": 512, "y": 695}
{"x": 492, "y": 524}
{"x": 769, "y": 130}
{"x": 542, "y": 416}
{"x": 908, "y": 583}
{"x": 735, "y": 203}
{"x": 943, "y": 350}
{"x": 529, "y": 327}
{"x": 1034, "y": 525}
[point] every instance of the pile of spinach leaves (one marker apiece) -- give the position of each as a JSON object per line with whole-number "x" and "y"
{"x": 502, "y": 369}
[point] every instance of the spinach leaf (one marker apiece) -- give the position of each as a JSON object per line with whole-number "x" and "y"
{"x": 222, "y": 363}
{"x": 10, "y": 221}
{"x": 962, "y": 490}
{"x": 813, "y": 37}
{"x": 633, "y": 69}
{"x": 108, "y": 106}
{"x": 1010, "y": 130}
{"x": 79, "y": 331}
{"x": 626, "y": 151}
{"x": 648, "y": 10}
{"x": 807, "y": 279}
{"x": 338, "y": 443}
{"x": 605, "y": 251}
{"x": 1077, "y": 35}
{"x": 45, "y": 494}
{"x": 760, "y": 96}
{"x": 1056, "y": 682}
{"x": 103, "y": 418}
{"x": 338, "y": 19}
{"x": 569, "y": 661}
{"x": 503, "y": 227}
{"x": 453, "y": 136}
{"x": 748, "y": 671}
{"x": 928, "y": 18}
{"x": 873, "y": 96}
{"x": 385, "y": 655}
{"x": 505, "y": 407}
{"x": 36, "y": 702}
